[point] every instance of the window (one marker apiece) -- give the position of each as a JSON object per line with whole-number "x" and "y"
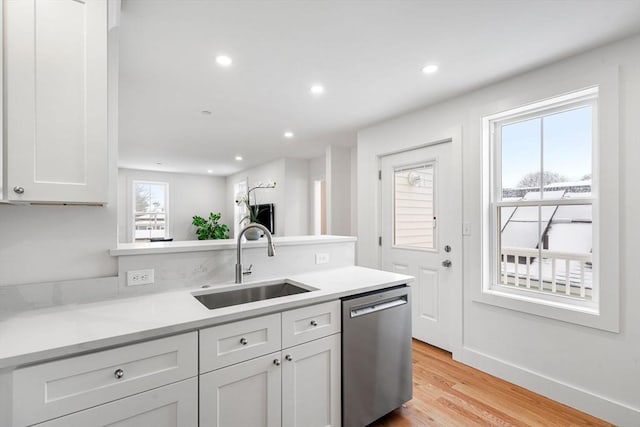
{"x": 541, "y": 201}
{"x": 414, "y": 220}
{"x": 239, "y": 209}
{"x": 150, "y": 213}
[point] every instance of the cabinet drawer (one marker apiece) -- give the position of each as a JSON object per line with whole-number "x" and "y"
{"x": 173, "y": 405}
{"x": 52, "y": 389}
{"x": 310, "y": 323}
{"x": 238, "y": 341}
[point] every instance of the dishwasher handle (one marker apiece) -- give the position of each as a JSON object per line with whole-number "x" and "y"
{"x": 378, "y": 306}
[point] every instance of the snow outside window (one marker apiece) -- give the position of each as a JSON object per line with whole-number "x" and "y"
{"x": 150, "y": 212}
{"x": 541, "y": 200}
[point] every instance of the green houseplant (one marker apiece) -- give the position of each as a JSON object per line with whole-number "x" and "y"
{"x": 210, "y": 228}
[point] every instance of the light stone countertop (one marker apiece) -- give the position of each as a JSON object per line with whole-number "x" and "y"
{"x": 38, "y": 335}
{"x": 217, "y": 245}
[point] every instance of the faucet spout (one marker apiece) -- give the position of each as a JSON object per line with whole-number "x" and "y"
{"x": 270, "y": 248}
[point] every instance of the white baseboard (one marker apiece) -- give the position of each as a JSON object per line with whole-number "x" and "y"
{"x": 607, "y": 409}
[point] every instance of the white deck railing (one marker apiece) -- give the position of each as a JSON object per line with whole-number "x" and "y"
{"x": 562, "y": 272}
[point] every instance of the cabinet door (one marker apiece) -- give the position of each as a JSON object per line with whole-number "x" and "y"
{"x": 174, "y": 405}
{"x": 245, "y": 394}
{"x": 56, "y": 100}
{"x": 311, "y": 384}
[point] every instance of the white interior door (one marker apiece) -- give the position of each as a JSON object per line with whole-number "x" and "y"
{"x": 420, "y": 217}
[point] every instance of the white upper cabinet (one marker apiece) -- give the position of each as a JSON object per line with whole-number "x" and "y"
{"x": 56, "y": 101}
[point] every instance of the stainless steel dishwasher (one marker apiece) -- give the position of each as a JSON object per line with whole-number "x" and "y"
{"x": 376, "y": 354}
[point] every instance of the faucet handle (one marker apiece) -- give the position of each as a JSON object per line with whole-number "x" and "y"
{"x": 248, "y": 270}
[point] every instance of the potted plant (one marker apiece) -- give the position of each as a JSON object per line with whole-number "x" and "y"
{"x": 252, "y": 210}
{"x": 210, "y": 228}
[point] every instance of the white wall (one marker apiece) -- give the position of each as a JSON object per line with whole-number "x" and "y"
{"x": 593, "y": 370}
{"x": 296, "y": 183}
{"x": 189, "y": 195}
{"x": 338, "y": 177}
{"x": 353, "y": 186}
{"x": 317, "y": 170}
{"x": 49, "y": 243}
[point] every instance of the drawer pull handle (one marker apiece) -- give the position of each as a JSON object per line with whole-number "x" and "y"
{"x": 314, "y": 323}
{"x": 18, "y": 190}
{"x": 276, "y": 362}
{"x": 243, "y": 341}
{"x": 288, "y": 357}
{"x": 119, "y": 373}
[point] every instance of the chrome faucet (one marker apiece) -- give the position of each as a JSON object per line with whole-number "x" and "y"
{"x": 270, "y": 247}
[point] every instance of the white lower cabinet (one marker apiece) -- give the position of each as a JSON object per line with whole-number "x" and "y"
{"x": 53, "y": 389}
{"x": 311, "y": 384}
{"x": 174, "y": 405}
{"x": 298, "y": 386}
{"x": 125, "y": 386}
{"x": 245, "y": 394}
{"x": 278, "y": 370}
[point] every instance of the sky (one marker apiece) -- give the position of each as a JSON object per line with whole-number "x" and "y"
{"x": 157, "y": 195}
{"x": 565, "y": 138}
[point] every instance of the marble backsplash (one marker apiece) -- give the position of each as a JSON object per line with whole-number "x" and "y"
{"x": 178, "y": 270}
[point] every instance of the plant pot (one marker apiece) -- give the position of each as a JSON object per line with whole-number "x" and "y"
{"x": 253, "y": 234}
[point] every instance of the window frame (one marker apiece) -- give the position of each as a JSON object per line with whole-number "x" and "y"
{"x": 539, "y": 110}
{"x": 603, "y": 313}
{"x": 132, "y": 226}
{"x": 239, "y": 209}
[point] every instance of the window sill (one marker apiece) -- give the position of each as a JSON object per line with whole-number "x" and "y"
{"x": 565, "y": 309}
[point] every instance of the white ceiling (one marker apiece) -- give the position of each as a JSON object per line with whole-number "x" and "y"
{"x": 367, "y": 54}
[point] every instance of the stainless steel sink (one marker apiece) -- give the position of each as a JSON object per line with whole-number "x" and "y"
{"x": 219, "y": 299}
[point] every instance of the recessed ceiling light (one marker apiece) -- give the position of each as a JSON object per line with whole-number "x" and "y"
{"x": 317, "y": 89}
{"x": 209, "y": 170}
{"x": 288, "y": 134}
{"x": 238, "y": 158}
{"x": 223, "y": 60}
{"x": 430, "y": 69}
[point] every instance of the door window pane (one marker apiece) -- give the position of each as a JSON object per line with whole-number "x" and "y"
{"x": 414, "y": 218}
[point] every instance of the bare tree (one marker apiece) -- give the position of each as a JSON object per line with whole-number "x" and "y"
{"x": 143, "y": 198}
{"x": 532, "y": 179}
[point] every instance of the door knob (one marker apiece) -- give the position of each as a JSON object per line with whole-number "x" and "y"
{"x": 446, "y": 263}
{"x": 18, "y": 190}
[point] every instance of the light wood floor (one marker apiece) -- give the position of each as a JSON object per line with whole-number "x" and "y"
{"x": 448, "y": 393}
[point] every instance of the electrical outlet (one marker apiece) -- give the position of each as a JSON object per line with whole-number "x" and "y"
{"x": 140, "y": 277}
{"x": 322, "y": 258}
